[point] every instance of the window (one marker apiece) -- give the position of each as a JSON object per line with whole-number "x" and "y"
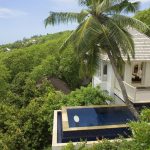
{"x": 137, "y": 73}
{"x": 105, "y": 69}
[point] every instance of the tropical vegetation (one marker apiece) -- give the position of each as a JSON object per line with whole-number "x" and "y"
{"x": 103, "y": 29}
{"x": 28, "y": 98}
{"x": 144, "y": 17}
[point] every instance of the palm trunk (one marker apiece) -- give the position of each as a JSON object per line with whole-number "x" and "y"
{"x": 122, "y": 86}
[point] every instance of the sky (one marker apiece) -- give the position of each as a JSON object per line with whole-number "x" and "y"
{"x": 25, "y": 18}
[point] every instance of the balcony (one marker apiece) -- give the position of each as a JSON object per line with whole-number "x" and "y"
{"x": 135, "y": 94}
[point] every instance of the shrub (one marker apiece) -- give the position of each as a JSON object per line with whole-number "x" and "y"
{"x": 48, "y": 67}
{"x": 145, "y": 115}
{"x": 69, "y": 68}
{"x": 86, "y": 96}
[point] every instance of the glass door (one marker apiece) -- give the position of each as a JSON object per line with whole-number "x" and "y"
{"x": 137, "y": 72}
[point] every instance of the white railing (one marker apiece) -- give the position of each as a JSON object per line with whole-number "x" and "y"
{"x": 135, "y": 94}
{"x": 131, "y": 90}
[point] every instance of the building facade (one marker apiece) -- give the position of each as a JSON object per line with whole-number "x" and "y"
{"x": 136, "y": 74}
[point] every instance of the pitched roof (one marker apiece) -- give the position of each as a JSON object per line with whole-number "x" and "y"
{"x": 142, "y": 47}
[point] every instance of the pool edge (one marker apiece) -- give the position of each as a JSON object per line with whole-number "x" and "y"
{"x": 65, "y": 121}
{"x": 60, "y": 146}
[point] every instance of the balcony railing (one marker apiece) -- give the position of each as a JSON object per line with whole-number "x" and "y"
{"x": 135, "y": 95}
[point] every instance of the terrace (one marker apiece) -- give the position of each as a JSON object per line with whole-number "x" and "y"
{"x": 90, "y": 123}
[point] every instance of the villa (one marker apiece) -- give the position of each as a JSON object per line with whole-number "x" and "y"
{"x": 136, "y": 75}
{"x": 107, "y": 121}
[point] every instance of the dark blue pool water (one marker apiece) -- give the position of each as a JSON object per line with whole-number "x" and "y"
{"x": 95, "y": 117}
{"x": 99, "y": 116}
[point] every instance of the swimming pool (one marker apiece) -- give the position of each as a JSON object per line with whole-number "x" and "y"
{"x": 94, "y": 123}
{"x": 99, "y": 116}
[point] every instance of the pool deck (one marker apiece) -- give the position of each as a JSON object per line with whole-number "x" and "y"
{"x": 60, "y": 146}
{"x": 65, "y": 121}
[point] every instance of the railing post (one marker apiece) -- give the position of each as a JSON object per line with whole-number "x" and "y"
{"x": 131, "y": 89}
{"x": 135, "y": 95}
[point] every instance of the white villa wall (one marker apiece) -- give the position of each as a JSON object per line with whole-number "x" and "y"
{"x": 147, "y": 74}
{"x": 110, "y": 79}
{"x": 128, "y": 73}
{"x": 110, "y": 83}
{"x": 106, "y": 82}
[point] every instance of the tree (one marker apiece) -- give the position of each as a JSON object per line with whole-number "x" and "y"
{"x": 144, "y": 17}
{"x": 102, "y": 30}
{"x": 4, "y": 85}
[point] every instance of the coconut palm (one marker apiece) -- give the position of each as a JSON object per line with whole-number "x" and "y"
{"x": 103, "y": 29}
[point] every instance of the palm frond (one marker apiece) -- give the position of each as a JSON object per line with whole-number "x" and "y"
{"x": 82, "y": 15}
{"x": 122, "y": 37}
{"x": 88, "y": 3}
{"x": 124, "y": 21}
{"x": 89, "y": 62}
{"x": 101, "y": 29}
{"x": 77, "y": 35}
{"x": 102, "y": 6}
{"x": 61, "y": 17}
{"x": 84, "y": 2}
{"x": 67, "y": 41}
{"x": 131, "y": 7}
{"x": 82, "y": 38}
{"x": 124, "y": 6}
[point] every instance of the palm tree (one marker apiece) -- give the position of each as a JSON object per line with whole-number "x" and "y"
{"x": 103, "y": 29}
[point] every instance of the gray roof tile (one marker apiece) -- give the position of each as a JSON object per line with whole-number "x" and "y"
{"x": 142, "y": 47}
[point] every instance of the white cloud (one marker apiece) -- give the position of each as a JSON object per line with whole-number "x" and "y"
{"x": 144, "y": 1}
{"x": 9, "y": 13}
{"x": 64, "y": 2}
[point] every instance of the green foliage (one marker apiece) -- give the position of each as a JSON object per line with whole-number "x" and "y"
{"x": 16, "y": 64}
{"x": 87, "y": 96}
{"x": 69, "y": 68}
{"x": 145, "y": 115}
{"x": 27, "y": 98}
{"x": 27, "y": 111}
{"x": 141, "y": 133}
{"x": 29, "y": 127}
{"x": 4, "y": 77}
{"x": 38, "y": 58}
{"x": 69, "y": 146}
{"x": 14, "y": 99}
{"x": 19, "y": 82}
{"x": 106, "y": 145}
{"x": 30, "y": 90}
{"x": 99, "y": 32}
{"x": 144, "y": 17}
{"x": 48, "y": 67}
{"x": 34, "y": 120}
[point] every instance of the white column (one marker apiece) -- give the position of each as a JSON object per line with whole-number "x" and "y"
{"x": 147, "y": 74}
{"x": 128, "y": 73}
{"x": 101, "y": 70}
